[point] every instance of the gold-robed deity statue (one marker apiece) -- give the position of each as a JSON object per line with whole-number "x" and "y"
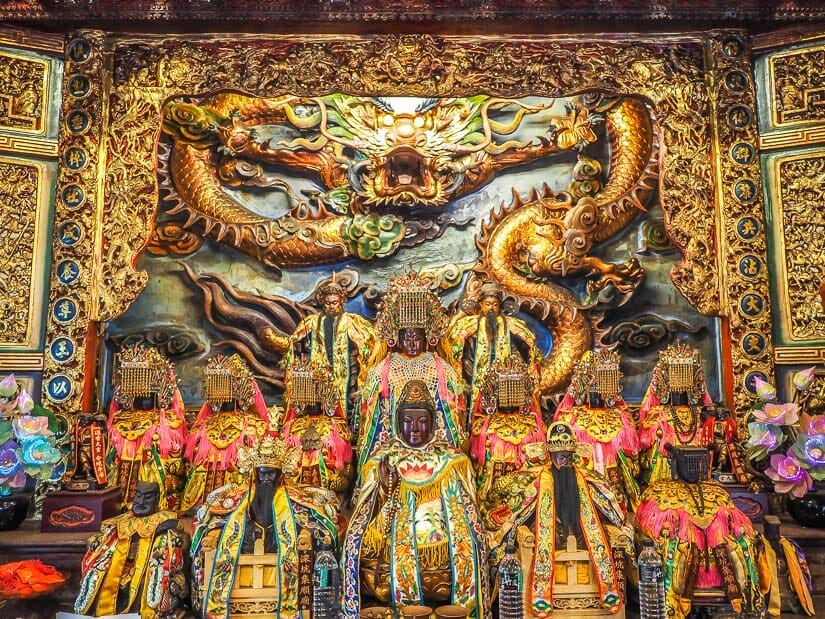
{"x": 90, "y": 447}
{"x": 507, "y": 430}
{"x": 705, "y": 541}
{"x": 257, "y": 527}
{"x": 234, "y": 415}
{"x": 593, "y": 406}
{"x": 411, "y": 322}
{"x": 473, "y": 343}
{"x": 671, "y": 411}
{"x": 342, "y": 340}
{"x": 137, "y": 563}
{"x": 564, "y": 506}
{"x": 314, "y": 425}
{"x": 415, "y": 536}
{"x": 146, "y": 423}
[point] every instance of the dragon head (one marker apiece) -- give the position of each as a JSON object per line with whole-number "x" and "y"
{"x": 410, "y": 152}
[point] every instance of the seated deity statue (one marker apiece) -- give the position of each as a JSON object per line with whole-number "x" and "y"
{"x": 410, "y": 320}
{"x": 146, "y": 423}
{"x": 137, "y": 563}
{"x": 415, "y": 536}
{"x": 259, "y": 517}
{"x": 474, "y": 342}
{"x": 507, "y": 430}
{"x": 234, "y": 415}
{"x": 342, "y": 340}
{"x": 704, "y": 539}
{"x": 561, "y": 501}
{"x": 90, "y": 446}
{"x": 594, "y": 408}
{"x": 671, "y": 411}
{"x": 315, "y": 426}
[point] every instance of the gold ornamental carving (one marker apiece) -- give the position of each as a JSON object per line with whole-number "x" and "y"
{"x": 797, "y": 86}
{"x": 78, "y": 243}
{"x": 799, "y": 183}
{"x": 24, "y": 85}
{"x": 22, "y": 252}
{"x": 670, "y": 76}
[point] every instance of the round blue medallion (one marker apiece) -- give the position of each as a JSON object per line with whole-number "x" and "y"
{"x": 79, "y": 50}
{"x": 64, "y": 310}
{"x": 742, "y": 153}
{"x": 75, "y": 158}
{"x": 70, "y": 233}
{"x": 739, "y": 116}
{"x": 62, "y": 349}
{"x": 73, "y": 196}
{"x": 750, "y": 383}
{"x": 752, "y": 305}
{"x": 78, "y": 86}
{"x": 59, "y": 388}
{"x": 748, "y": 228}
{"x": 750, "y": 266}
{"x": 753, "y": 344}
{"x": 67, "y": 272}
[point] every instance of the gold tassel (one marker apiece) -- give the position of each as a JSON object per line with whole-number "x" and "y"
{"x": 433, "y": 556}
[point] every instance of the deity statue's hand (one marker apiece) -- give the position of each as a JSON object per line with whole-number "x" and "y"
{"x": 386, "y": 478}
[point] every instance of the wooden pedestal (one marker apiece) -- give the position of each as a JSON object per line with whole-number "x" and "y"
{"x": 79, "y": 511}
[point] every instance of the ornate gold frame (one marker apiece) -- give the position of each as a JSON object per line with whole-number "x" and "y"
{"x": 681, "y": 76}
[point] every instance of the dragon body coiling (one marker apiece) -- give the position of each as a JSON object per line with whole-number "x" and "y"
{"x": 382, "y": 166}
{"x": 527, "y": 244}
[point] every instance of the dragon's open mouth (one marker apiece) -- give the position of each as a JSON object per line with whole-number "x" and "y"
{"x": 405, "y": 168}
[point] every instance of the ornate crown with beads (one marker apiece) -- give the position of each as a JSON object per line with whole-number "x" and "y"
{"x": 141, "y": 371}
{"x": 560, "y": 437}
{"x": 411, "y": 303}
{"x": 269, "y": 452}
{"x": 310, "y": 382}
{"x": 679, "y": 370}
{"x": 507, "y": 383}
{"x": 227, "y": 379}
{"x": 597, "y": 372}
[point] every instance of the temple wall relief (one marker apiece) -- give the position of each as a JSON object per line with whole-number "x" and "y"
{"x": 214, "y": 180}
{"x": 792, "y": 145}
{"x": 29, "y": 105}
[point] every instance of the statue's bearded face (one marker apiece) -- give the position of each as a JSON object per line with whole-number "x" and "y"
{"x": 411, "y": 342}
{"x": 490, "y": 306}
{"x": 416, "y": 426}
{"x": 333, "y": 305}
{"x": 147, "y": 498}
{"x": 268, "y": 476}
{"x": 562, "y": 459}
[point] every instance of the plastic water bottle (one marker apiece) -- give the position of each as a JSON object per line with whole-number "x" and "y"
{"x": 510, "y": 596}
{"x": 651, "y": 583}
{"x": 326, "y": 590}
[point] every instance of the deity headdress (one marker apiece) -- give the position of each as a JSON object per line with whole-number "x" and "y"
{"x": 490, "y": 290}
{"x": 560, "y": 437}
{"x": 311, "y": 382}
{"x": 597, "y": 372}
{"x": 270, "y": 452}
{"x": 140, "y": 372}
{"x": 411, "y": 303}
{"x": 328, "y": 288}
{"x": 415, "y": 394}
{"x": 507, "y": 383}
{"x": 679, "y": 370}
{"x": 228, "y": 378}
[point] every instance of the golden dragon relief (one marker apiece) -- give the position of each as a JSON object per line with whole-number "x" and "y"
{"x": 389, "y": 167}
